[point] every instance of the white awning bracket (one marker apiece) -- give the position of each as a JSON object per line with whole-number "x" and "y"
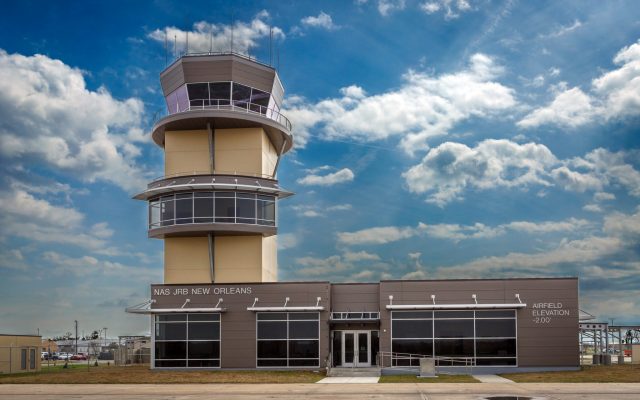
{"x": 318, "y": 301}
{"x": 220, "y": 300}
{"x": 185, "y": 302}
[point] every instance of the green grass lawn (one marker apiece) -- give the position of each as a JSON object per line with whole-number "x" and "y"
{"x": 142, "y": 374}
{"x": 439, "y": 379}
{"x": 601, "y": 373}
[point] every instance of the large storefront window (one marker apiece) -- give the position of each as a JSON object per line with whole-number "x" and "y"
{"x": 488, "y": 337}
{"x": 210, "y": 207}
{"x": 288, "y": 339}
{"x": 187, "y": 340}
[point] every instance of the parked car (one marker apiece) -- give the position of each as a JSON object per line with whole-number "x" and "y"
{"x": 64, "y": 356}
{"x": 78, "y": 357}
{"x": 44, "y": 355}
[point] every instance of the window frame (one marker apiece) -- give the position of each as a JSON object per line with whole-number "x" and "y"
{"x": 476, "y": 315}
{"x": 167, "y": 205}
{"x": 288, "y": 340}
{"x": 216, "y": 319}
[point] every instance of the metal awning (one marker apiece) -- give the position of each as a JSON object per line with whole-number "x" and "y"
{"x": 284, "y": 307}
{"x": 145, "y": 308}
{"x": 310, "y": 308}
{"x": 471, "y": 306}
{"x": 464, "y": 306}
{"x": 177, "y": 310}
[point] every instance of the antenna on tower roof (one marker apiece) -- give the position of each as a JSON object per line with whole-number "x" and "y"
{"x": 211, "y": 40}
{"x": 271, "y": 46}
{"x": 232, "y": 27}
{"x": 175, "y": 46}
{"x": 187, "y": 51}
{"x": 166, "y": 48}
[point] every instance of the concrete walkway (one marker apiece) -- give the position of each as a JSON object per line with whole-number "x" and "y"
{"x": 492, "y": 379}
{"x": 393, "y": 391}
{"x": 349, "y": 379}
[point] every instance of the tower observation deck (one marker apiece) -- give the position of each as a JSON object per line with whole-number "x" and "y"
{"x": 223, "y": 137}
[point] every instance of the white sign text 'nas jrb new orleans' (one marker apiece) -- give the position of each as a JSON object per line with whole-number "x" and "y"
{"x": 200, "y": 291}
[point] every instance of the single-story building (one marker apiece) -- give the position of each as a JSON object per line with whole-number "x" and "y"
{"x": 19, "y": 353}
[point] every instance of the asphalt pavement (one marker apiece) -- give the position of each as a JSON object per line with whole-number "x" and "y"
{"x": 420, "y": 391}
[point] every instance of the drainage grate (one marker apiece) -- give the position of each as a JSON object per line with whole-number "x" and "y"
{"x": 509, "y": 398}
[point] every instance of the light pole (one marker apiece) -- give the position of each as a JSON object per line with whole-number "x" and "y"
{"x": 76, "y": 322}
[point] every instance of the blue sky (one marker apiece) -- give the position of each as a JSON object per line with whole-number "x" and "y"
{"x": 434, "y": 139}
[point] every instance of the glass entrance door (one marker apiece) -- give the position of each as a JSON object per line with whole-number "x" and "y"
{"x": 356, "y": 348}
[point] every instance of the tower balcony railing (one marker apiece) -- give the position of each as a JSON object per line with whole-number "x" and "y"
{"x": 234, "y": 106}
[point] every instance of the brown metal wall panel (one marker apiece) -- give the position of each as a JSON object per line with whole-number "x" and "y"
{"x": 251, "y": 75}
{"x": 551, "y": 341}
{"x": 277, "y": 90}
{"x": 556, "y": 331}
{"x": 238, "y": 326}
{"x": 215, "y": 69}
{"x": 172, "y": 79}
{"x": 355, "y": 297}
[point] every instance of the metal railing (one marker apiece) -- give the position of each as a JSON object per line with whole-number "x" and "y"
{"x": 215, "y": 172}
{"x": 387, "y": 359}
{"x": 235, "y": 106}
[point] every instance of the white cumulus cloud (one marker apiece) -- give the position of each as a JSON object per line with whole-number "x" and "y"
{"x": 206, "y": 36}
{"x": 451, "y": 8}
{"x": 48, "y": 116}
{"x": 451, "y": 168}
{"x": 341, "y": 176}
{"x": 613, "y": 95}
{"x": 423, "y": 107}
{"x": 322, "y": 20}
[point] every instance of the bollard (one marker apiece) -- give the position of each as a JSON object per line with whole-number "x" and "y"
{"x": 427, "y": 368}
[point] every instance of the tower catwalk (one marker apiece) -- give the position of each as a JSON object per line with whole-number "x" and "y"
{"x": 215, "y": 207}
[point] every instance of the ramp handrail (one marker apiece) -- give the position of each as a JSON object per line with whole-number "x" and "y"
{"x": 388, "y": 359}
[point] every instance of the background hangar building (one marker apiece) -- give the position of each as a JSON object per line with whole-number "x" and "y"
{"x": 220, "y": 305}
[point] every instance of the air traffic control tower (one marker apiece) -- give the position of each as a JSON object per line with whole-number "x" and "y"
{"x": 223, "y": 138}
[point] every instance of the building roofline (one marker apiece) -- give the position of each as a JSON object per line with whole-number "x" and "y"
{"x": 482, "y": 279}
{"x": 237, "y": 283}
{"x": 22, "y": 335}
{"x": 370, "y": 283}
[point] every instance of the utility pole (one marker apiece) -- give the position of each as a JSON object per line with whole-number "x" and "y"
{"x": 76, "y": 322}
{"x": 105, "y": 335}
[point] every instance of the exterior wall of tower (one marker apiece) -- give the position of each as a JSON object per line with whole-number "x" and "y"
{"x": 238, "y": 259}
{"x": 244, "y": 151}
{"x": 186, "y": 152}
{"x": 269, "y": 155}
{"x": 270, "y": 259}
{"x": 186, "y": 260}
